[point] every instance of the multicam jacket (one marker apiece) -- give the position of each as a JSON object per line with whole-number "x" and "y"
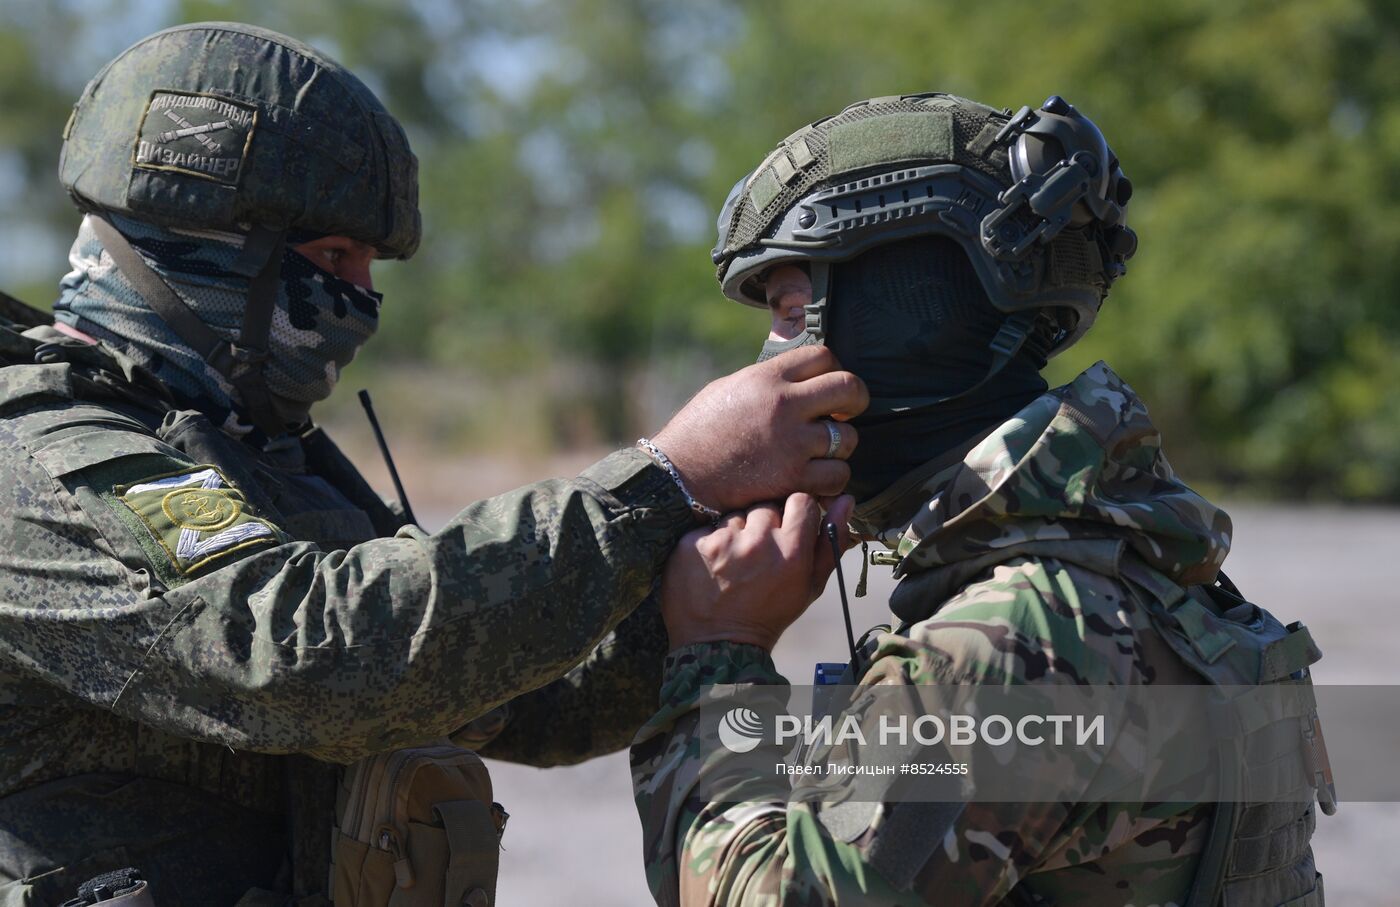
{"x": 1038, "y": 559}
{"x": 184, "y": 620}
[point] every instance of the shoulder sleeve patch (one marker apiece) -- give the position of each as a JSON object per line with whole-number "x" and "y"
{"x": 195, "y": 519}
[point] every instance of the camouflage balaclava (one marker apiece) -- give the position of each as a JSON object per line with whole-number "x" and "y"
{"x": 318, "y": 324}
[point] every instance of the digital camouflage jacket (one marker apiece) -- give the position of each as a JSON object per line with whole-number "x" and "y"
{"x": 1034, "y": 560}
{"x": 184, "y": 620}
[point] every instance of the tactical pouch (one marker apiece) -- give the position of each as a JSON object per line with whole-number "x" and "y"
{"x": 417, "y": 828}
{"x": 1256, "y": 852}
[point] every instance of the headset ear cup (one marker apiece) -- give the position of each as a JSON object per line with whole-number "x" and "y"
{"x": 1122, "y": 241}
{"x": 1035, "y": 154}
{"x": 1123, "y": 191}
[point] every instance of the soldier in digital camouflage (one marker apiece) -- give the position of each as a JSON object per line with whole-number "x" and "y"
{"x": 945, "y": 250}
{"x": 204, "y": 609}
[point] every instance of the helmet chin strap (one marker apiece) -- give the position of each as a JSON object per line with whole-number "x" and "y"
{"x": 814, "y": 331}
{"x": 1009, "y": 339}
{"x": 241, "y": 362}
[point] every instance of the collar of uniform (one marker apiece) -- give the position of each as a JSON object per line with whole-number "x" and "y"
{"x": 885, "y": 517}
{"x": 51, "y": 344}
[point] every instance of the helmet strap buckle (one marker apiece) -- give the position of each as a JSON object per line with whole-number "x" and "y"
{"x": 1009, "y": 338}
{"x": 814, "y": 329}
{"x": 233, "y": 360}
{"x": 816, "y": 309}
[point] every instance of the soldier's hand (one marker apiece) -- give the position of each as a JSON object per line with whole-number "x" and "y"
{"x": 760, "y": 435}
{"x": 749, "y": 578}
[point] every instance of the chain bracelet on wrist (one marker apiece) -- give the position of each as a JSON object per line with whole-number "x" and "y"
{"x": 708, "y": 514}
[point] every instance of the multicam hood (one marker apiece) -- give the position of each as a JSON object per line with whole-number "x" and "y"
{"x": 1078, "y": 474}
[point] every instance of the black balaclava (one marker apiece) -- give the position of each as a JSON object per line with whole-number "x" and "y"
{"x": 912, "y": 319}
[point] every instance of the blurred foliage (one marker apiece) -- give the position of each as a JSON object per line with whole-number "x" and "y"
{"x": 574, "y": 153}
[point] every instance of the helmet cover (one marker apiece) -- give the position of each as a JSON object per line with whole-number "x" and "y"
{"x": 222, "y": 126}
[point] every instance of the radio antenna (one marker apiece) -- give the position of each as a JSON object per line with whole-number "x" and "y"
{"x": 389, "y": 460}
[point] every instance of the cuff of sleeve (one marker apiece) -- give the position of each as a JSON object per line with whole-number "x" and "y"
{"x": 706, "y": 663}
{"x": 705, "y": 672}
{"x": 639, "y": 485}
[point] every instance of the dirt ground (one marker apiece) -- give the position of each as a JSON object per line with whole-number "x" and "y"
{"x": 574, "y": 837}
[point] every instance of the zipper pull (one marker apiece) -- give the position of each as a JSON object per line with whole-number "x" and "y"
{"x": 403, "y": 868}
{"x": 864, "y": 568}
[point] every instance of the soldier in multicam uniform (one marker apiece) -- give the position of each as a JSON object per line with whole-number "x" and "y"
{"x": 945, "y": 250}
{"x": 203, "y": 606}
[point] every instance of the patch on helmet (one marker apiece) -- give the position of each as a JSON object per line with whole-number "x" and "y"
{"x": 198, "y": 134}
{"x": 196, "y": 517}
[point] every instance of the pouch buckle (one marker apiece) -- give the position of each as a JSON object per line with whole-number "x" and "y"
{"x": 1317, "y": 763}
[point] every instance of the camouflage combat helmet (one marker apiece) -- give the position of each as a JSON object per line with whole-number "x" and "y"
{"x": 215, "y": 125}
{"x": 1035, "y": 199}
{"x": 223, "y": 126}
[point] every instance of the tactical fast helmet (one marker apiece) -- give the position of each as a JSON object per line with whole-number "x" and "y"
{"x": 1035, "y": 198}
{"x": 230, "y": 127}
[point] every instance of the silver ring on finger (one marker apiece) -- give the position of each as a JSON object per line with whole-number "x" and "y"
{"x": 834, "y": 445}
